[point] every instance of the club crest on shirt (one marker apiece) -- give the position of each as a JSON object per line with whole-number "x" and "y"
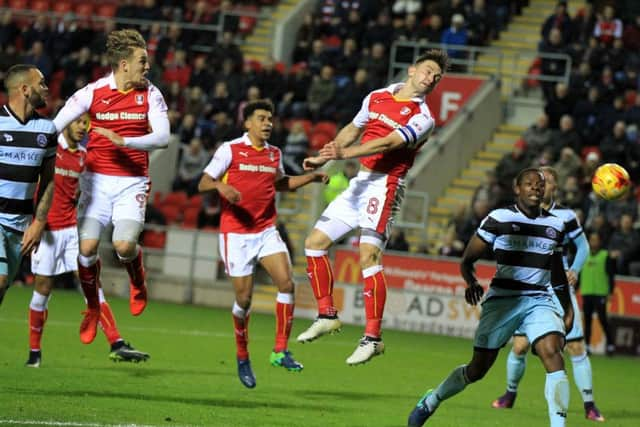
{"x": 140, "y": 99}
{"x": 550, "y": 232}
{"x": 41, "y": 140}
{"x": 271, "y": 155}
{"x": 404, "y": 111}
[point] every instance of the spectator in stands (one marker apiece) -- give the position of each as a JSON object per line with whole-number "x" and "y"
{"x": 195, "y": 102}
{"x": 192, "y": 162}
{"x": 539, "y": 135}
{"x": 613, "y": 147}
{"x": 553, "y": 67}
{"x": 567, "y": 136}
{"x": 270, "y": 81}
{"x": 376, "y": 63}
{"x": 347, "y": 59}
{"x": 8, "y": 57}
{"x": 349, "y": 101}
{"x": 176, "y": 69}
{"x": 581, "y": 80}
{"x": 294, "y": 100}
{"x": 489, "y": 190}
{"x": 589, "y": 166}
{"x": 482, "y": 24}
{"x": 433, "y": 32}
{"x": 607, "y": 85}
{"x": 632, "y": 115}
{"x": 321, "y": 95}
{"x": 230, "y": 21}
{"x": 585, "y": 114}
{"x": 380, "y": 32}
{"x": 406, "y": 7}
{"x": 187, "y": 129}
{"x": 318, "y": 58}
{"x": 583, "y": 24}
{"x": 253, "y": 94}
{"x": 560, "y": 104}
{"x": 456, "y": 34}
{"x": 543, "y": 158}
{"x": 226, "y": 49}
{"x": 608, "y": 28}
{"x": 307, "y": 33}
{"x": 201, "y": 74}
{"x": 449, "y": 8}
{"x": 479, "y": 210}
{"x": 570, "y": 194}
{"x": 8, "y": 31}
{"x": 624, "y": 244}
{"x": 221, "y": 99}
{"x": 38, "y": 57}
{"x": 450, "y": 246}
{"x": 568, "y": 164}
{"x": 508, "y": 168}
{"x": 631, "y": 35}
{"x": 397, "y": 241}
{"x": 38, "y": 31}
{"x": 354, "y": 27}
{"x": 625, "y": 205}
{"x": 127, "y": 9}
{"x": 561, "y": 21}
{"x": 295, "y": 150}
{"x": 224, "y": 130}
{"x": 234, "y": 80}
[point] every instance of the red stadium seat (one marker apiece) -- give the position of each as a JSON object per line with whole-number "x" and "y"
{"x": 39, "y": 5}
{"x": 84, "y": 10}
{"x": 319, "y": 139}
{"x": 328, "y": 127}
{"x": 195, "y": 201}
{"x": 280, "y": 67}
{"x": 306, "y": 124}
{"x": 190, "y": 218}
{"x": 175, "y": 198}
{"x": 18, "y": 4}
{"x": 157, "y": 198}
{"x": 154, "y": 239}
{"x": 246, "y": 24}
{"x": 107, "y": 10}
{"x": 173, "y": 213}
{"x": 62, "y": 6}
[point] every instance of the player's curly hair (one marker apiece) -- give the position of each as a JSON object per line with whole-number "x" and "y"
{"x": 259, "y": 104}
{"x": 121, "y": 43}
{"x": 438, "y": 56}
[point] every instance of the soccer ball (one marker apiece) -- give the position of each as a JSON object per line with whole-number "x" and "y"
{"x": 610, "y": 181}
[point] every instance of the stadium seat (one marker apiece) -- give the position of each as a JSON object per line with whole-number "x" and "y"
{"x": 195, "y": 201}
{"x": 328, "y": 127}
{"x": 154, "y": 239}
{"x": 173, "y": 213}
{"x": 84, "y": 10}
{"x": 306, "y": 124}
{"x": 190, "y": 218}
{"x": 281, "y": 67}
{"x": 39, "y": 5}
{"x": 175, "y": 198}
{"x": 319, "y": 139}
{"x": 297, "y": 67}
{"x": 107, "y": 10}
{"x": 62, "y": 6}
{"x": 18, "y": 4}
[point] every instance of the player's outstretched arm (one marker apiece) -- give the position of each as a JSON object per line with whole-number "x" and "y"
{"x": 292, "y": 183}
{"x": 472, "y": 253}
{"x": 157, "y": 139}
{"x": 208, "y": 183}
{"x": 335, "y": 151}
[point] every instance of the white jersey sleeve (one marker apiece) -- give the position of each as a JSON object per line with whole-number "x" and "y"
{"x": 77, "y": 105}
{"x": 417, "y": 129}
{"x": 220, "y": 162}
{"x": 361, "y": 119}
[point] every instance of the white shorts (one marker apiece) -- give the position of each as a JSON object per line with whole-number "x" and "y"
{"x": 371, "y": 202}
{"x": 110, "y": 198}
{"x": 241, "y": 252}
{"x": 57, "y": 252}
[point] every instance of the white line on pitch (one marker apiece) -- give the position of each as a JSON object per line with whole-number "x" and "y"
{"x": 72, "y": 423}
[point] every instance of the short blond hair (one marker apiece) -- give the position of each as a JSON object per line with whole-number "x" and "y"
{"x": 121, "y": 43}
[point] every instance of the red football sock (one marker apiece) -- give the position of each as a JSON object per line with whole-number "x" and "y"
{"x": 108, "y": 323}
{"x": 241, "y": 327}
{"x": 135, "y": 269}
{"x": 321, "y": 279}
{"x": 89, "y": 277}
{"x": 37, "y": 320}
{"x": 284, "y": 320}
{"x": 375, "y": 296}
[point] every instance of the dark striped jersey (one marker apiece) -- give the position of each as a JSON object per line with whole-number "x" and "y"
{"x": 523, "y": 248}
{"x": 23, "y": 147}
{"x": 572, "y": 224}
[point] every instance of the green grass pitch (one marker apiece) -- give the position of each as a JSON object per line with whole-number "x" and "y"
{"x": 191, "y": 377}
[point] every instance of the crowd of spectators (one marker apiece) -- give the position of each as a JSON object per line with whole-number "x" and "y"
{"x": 592, "y": 120}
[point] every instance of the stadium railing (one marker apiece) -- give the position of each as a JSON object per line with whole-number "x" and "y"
{"x": 499, "y": 63}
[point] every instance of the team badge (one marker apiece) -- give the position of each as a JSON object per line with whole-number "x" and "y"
{"x": 139, "y": 99}
{"x": 404, "y": 111}
{"x": 271, "y": 155}
{"x": 550, "y": 232}
{"x": 41, "y": 140}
